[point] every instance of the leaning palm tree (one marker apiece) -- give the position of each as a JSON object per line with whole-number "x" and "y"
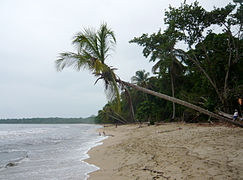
{"x": 93, "y": 48}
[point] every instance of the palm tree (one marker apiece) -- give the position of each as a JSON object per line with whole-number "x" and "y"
{"x": 174, "y": 67}
{"x": 141, "y": 78}
{"x": 93, "y": 48}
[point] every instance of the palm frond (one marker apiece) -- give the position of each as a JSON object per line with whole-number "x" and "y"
{"x": 98, "y": 79}
{"x": 69, "y": 59}
{"x": 107, "y": 41}
{"x": 87, "y": 41}
{"x": 141, "y": 77}
{"x": 98, "y": 66}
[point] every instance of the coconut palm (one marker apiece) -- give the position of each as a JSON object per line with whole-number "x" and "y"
{"x": 93, "y": 48}
{"x": 141, "y": 78}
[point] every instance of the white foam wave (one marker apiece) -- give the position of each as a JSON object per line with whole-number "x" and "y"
{"x": 93, "y": 144}
{"x": 23, "y": 132}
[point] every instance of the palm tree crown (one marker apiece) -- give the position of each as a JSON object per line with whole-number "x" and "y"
{"x": 141, "y": 78}
{"x": 93, "y": 47}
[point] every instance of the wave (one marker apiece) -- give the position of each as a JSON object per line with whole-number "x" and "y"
{"x": 4, "y": 134}
{"x": 12, "y": 158}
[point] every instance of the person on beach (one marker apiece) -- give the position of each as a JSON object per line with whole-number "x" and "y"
{"x": 235, "y": 115}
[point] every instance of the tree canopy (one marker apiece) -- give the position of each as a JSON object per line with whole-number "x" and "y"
{"x": 207, "y": 71}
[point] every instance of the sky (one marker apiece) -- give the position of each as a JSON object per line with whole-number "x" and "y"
{"x": 34, "y": 32}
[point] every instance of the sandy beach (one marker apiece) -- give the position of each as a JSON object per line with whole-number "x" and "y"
{"x": 169, "y": 151}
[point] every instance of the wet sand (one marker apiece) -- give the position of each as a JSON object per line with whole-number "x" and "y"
{"x": 169, "y": 151}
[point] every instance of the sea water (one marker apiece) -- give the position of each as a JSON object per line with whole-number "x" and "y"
{"x": 46, "y": 152}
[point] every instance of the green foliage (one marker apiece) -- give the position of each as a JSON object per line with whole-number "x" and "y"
{"x": 209, "y": 73}
{"x": 140, "y": 78}
{"x": 144, "y": 111}
{"x": 209, "y": 68}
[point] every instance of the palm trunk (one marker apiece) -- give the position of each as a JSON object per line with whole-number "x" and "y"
{"x": 130, "y": 104}
{"x": 118, "y": 115}
{"x": 178, "y": 101}
{"x": 117, "y": 119}
{"x": 173, "y": 95}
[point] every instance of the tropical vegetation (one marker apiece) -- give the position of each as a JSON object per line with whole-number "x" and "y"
{"x": 204, "y": 78}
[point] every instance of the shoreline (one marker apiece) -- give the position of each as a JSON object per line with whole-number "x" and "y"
{"x": 92, "y": 152}
{"x": 95, "y": 145}
{"x": 99, "y": 143}
{"x": 168, "y": 151}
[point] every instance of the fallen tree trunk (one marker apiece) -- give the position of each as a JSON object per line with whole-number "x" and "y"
{"x": 181, "y": 102}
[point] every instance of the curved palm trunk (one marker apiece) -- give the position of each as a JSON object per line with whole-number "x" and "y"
{"x": 178, "y": 101}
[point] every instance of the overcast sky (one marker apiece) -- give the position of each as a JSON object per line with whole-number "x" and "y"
{"x": 34, "y": 32}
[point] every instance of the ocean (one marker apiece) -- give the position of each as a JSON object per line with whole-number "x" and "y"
{"x": 46, "y": 152}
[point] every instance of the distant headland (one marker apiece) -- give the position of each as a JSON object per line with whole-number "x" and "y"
{"x": 51, "y": 120}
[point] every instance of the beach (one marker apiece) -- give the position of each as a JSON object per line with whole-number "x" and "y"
{"x": 169, "y": 151}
